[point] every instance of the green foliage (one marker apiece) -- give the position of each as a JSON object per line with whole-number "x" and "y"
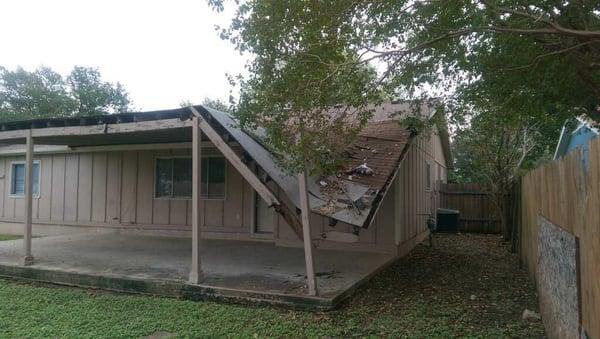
{"x": 44, "y": 93}
{"x": 511, "y": 57}
{"x": 95, "y": 96}
{"x": 218, "y": 104}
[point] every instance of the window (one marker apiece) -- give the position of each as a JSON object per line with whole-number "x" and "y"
{"x": 17, "y": 178}
{"x": 428, "y": 176}
{"x": 173, "y": 178}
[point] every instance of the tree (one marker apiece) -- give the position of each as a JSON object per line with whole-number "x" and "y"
{"x": 95, "y": 96}
{"x": 44, "y": 93}
{"x": 218, "y": 104}
{"x": 29, "y": 95}
{"x": 495, "y": 152}
{"x": 523, "y": 59}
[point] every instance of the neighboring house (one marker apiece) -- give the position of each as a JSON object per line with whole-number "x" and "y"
{"x": 134, "y": 172}
{"x": 576, "y": 133}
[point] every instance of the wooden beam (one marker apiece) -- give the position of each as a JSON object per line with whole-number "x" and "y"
{"x": 280, "y": 206}
{"x": 233, "y": 158}
{"x": 196, "y": 275}
{"x": 129, "y": 127}
{"x": 308, "y": 254}
{"x": 61, "y": 149}
{"x": 19, "y": 136}
{"x": 27, "y": 257}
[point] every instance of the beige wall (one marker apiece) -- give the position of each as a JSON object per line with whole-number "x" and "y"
{"x": 115, "y": 189}
{"x": 415, "y": 201}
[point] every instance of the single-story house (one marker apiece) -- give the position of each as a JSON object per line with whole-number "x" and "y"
{"x": 576, "y": 133}
{"x": 121, "y": 185}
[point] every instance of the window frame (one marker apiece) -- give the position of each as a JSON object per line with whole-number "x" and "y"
{"x": 428, "y": 181}
{"x": 166, "y": 157}
{"x": 11, "y": 174}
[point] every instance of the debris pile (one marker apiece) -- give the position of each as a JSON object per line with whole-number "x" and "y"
{"x": 361, "y": 169}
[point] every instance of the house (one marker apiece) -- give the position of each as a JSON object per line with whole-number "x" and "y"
{"x": 121, "y": 195}
{"x": 576, "y": 133}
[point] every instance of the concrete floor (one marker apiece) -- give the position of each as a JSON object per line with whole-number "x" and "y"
{"x": 239, "y": 265}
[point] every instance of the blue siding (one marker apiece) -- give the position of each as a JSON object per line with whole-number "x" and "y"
{"x": 581, "y": 138}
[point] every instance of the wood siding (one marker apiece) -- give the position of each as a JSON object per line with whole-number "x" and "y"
{"x": 415, "y": 200}
{"x": 117, "y": 189}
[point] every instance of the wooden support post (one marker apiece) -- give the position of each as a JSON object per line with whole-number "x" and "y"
{"x": 27, "y": 257}
{"x": 308, "y": 255}
{"x": 196, "y": 275}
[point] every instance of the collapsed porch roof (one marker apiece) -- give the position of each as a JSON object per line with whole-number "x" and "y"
{"x": 349, "y": 198}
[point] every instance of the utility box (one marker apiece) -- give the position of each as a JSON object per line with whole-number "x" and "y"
{"x": 447, "y": 220}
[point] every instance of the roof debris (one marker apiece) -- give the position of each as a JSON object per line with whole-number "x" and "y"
{"x": 361, "y": 169}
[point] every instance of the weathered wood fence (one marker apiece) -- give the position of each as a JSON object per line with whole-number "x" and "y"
{"x": 566, "y": 192}
{"x": 475, "y": 204}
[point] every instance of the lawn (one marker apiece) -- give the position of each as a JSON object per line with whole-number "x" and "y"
{"x": 9, "y": 237}
{"x": 467, "y": 285}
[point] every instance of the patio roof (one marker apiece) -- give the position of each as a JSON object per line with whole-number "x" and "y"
{"x": 351, "y": 198}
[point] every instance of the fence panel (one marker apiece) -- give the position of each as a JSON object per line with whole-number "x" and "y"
{"x": 567, "y": 193}
{"x": 474, "y": 201}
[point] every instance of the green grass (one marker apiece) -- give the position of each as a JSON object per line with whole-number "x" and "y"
{"x": 426, "y": 294}
{"x": 9, "y": 237}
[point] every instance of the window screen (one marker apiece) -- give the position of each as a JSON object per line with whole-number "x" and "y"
{"x": 164, "y": 178}
{"x": 17, "y": 185}
{"x": 213, "y": 175}
{"x": 174, "y": 178}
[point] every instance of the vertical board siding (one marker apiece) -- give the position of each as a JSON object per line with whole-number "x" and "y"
{"x": 567, "y": 193}
{"x": 4, "y": 175}
{"x": 9, "y": 203}
{"x": 118, "y": 188}
{"x": 71, "y": 187}
{"x": 234, "y": 205}
{"x": 57, "y": 200}
{"x": 44, "y": 201}
{"x": 84, "y": 190}
{"x": 113, "y": 187}
{"x": 414, "y": 201}
{"x": 128, "y": 194}
{"x": 99, "y": 187}
{"x": 145, "y": 190}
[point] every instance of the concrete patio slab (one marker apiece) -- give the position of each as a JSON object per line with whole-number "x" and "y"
{"x": 258, "y": 271}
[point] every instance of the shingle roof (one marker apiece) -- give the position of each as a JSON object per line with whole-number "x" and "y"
{"x": 380, "y": 146}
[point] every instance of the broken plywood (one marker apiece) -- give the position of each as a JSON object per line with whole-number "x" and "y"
{"x": 558, "y": 283}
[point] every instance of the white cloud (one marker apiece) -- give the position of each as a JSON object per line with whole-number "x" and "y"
{"x": 163, "y": 52}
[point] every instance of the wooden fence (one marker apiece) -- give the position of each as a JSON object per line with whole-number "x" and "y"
{"x": 475, "y": 205}
{"x": 567, "y": 193}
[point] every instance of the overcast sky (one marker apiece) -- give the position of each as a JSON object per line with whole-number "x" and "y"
{"x": 163, "y": 52}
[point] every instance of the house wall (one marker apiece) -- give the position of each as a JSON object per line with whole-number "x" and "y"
{"x": 115, "y": 189}
{"x": 400, "y": 223}
{"x": 88, "y": 191}
{"x": 413, "y": 199}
